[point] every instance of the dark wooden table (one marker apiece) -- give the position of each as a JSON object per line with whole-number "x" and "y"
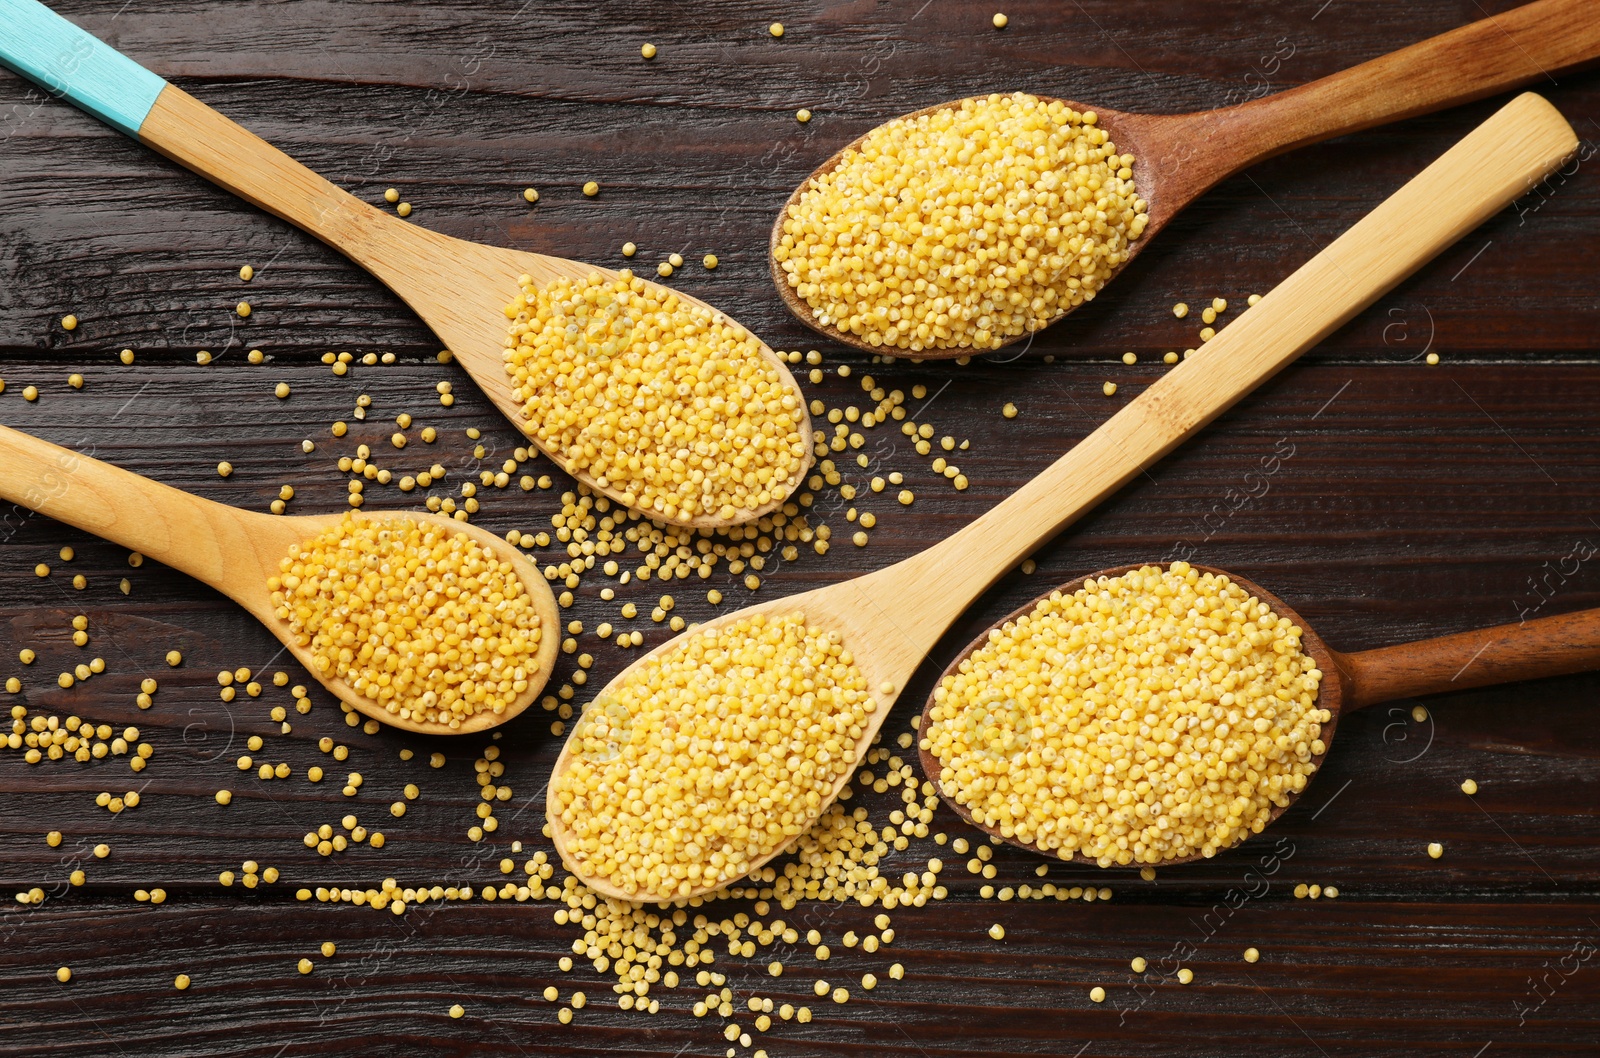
{"x": 1417, "y": 500}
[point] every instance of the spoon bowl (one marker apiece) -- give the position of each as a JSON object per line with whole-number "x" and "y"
{"x": 1549, "y": 646}
{"x": 459, "y": 288}
{"x": 1330, "y": 696}
{"x": 1136, "y": 134}
{"x": 890, "y": 619}
{"x": 1178, "y": 157}
{"x": 235, "y": 551}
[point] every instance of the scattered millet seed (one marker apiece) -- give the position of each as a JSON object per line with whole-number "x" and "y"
{"x": 997, "y": 932}
{"x": 30, "y": 392}
{"x": 488, "y": 675}
{"x": 648, "y": 51}
{"x": 1183, "y": 623}
{"x": 602, "y": 336}
{"x": 710, "y": 262}
{"x": 1097, "y": 994}
{"x": 686, "y": 688}
{"x": 1138, "y": 965}
{"x": 883, "y": 189}
{"x": 530, "y": 195}
{"x": 243, "y": 308}
{"x": 403, "y": 209}
{"x": 1433, "y": 359}
{"x": 457, "y": 1010}
{"x": 1009, "y": 411}
{"x": 64, "y": 974}
{"x": 1130, "y": 358}
{"x": 1469, "y": 787}
{"x": 1109, "y": 389}
{"x": 591, "y": 189}
{"x": 281, "y": 390}
{"x": 802, "y": 115}
{"x": 1251, "y": 955}
{"x": 174, "y": 658}
{"x": 1419, "y": 714}
{"x": 1000, "y": 21}
{"x": 1185, "y": 975}
{"x": 224, "y": 468}
{"x": 126, "y": 356}
{"x": 1435, "y": 850}
{"x": 75, "y": 380}
{"x": 629, "y": 249}
{"x": 776, "y": 29}
{"x": 69, "y": 323}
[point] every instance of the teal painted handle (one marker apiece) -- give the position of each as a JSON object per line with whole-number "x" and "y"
{"x": 74, "y": 65}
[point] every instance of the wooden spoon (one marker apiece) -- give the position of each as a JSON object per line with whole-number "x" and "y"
{"x": 1548, "y": 646}
{"x": 233, "y": 550}
{"x": 1178, "y": 157}
{"x": 459, "y": 288}
{"x": 892, "y": 618}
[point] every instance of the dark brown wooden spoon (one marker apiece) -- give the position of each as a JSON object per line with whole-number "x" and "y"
{"x": 1178, "y": 157}
{"x": 1548, "y": 646}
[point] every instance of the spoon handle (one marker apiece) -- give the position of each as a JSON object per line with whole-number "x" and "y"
{"x": 209, "y": 541}
{"x": 1547, "y": 646}
{"x": 70, "y": 63}
{"x": 1455, "y": 194}
{"x": 1494, "y": 54}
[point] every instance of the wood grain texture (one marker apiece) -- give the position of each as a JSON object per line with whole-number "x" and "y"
{"x": 1384, "y": 500}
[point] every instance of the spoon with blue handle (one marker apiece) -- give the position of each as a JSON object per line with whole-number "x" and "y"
{"x": 459, "y": 288}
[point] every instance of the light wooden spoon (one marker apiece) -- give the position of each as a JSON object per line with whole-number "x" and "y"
{"x": 234, "y": 551}
{"x": 1178, "y": 157}
{"x": 1548, "y": 646}
{"x": 890, "y": 619}
{"x": 459, "y": 288}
